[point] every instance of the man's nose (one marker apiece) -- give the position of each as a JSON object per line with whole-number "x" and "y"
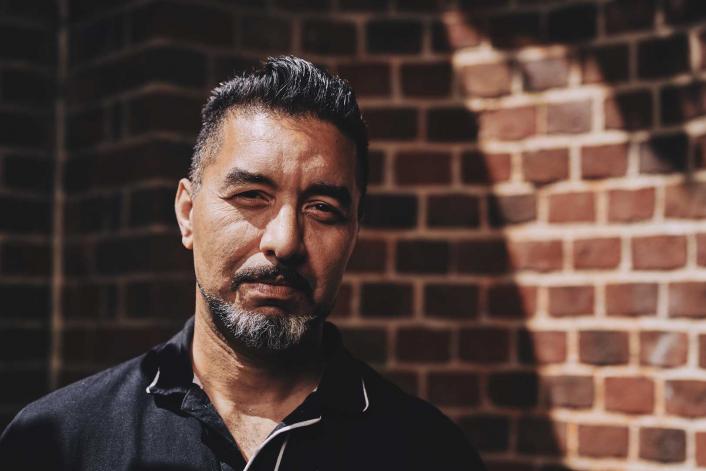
{"x": 282, "y": 238}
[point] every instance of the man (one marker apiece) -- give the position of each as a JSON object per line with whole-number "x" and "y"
{"x": 256, "y": 380}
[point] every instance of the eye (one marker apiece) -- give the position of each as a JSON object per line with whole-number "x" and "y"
{"x": 325, "y": 212}
{"x": 250, "y": 198}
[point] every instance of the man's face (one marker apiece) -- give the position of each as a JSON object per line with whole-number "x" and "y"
{"x": 275, "y": 219}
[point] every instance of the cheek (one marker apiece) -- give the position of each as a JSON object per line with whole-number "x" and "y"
{"x": 330, "y": 255}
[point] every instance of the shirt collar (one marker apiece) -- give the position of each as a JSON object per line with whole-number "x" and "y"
{"x": 341, "y": 389}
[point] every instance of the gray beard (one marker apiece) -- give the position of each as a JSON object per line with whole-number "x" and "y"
{"x": 260, "y": 332}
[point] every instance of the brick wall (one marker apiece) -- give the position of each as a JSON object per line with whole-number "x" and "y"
{"x": 533, "y": 256}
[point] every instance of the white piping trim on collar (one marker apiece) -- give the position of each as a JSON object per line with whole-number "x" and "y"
{"x": 148, "y": 389}
{"x": 281, "y": 452}
{"x": 365, "y": 395}
{"x": 273, "y": 435}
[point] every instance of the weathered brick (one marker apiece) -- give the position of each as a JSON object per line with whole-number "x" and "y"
{"x": 305, "y": 5}
{"x": 631, "y": 299}
{"x": 421, "y": 344}
{"x": 509, "y": 124}
{"x": 484, "y": 256}
{"x": 480, "y": 167}
{"x": 367, "y": 343}
{"x": 368, "y": 79}
{"x": 454, "y": 31}
{"x": 24, "y": 129}
{"x": 546, "y": 165}
{"x": 631, "y": 15}
{"x": 686, "y": 201}
{"x": 103, "y": 213}
{"x": 605, "y": 161}
{"x": 390, "y": 211}
{"x": 573, "y": 23}
{"x": 664, "y": 154}
{"x": 386, "y": 300}
{"x": 603, "y": 347}
{"x": 679, "y": 103}
{"x": 22, "y": 172}
{"x": 686, "y": 398}
{"x": 451, "y": 124}
{"x": 262, "y": 33}
{"x": 662, "y": 445}
{"x": 422, "y": 256}
{"x": 364, "y": 5}
{"x": 151, "y": 253}
{"x": 701, "y": 249}
{"x": 631, "y": 205}
{"x": 663, "y": 252}
{"x": 26, "y": 87}
{"x": 91, "y": 300}
{"x": 630, "y": 110}
{"x": 105, "y": 345}
{"x": 603, "y": 441}
{"x": 486, "y": 80}
{"x": 597, "y": 254}
{"x": 161, "y": 111}
{"x": 684, "y": 11}
{"x": 573, "y": 392}
{"x": 23, "y": 215}
{"x": 513, "y": 389}
{"x": 419, "y": 167}
{"x": 571, "y": 300}
{"x": 162, "y": 299}
{"x": 329, "y": 37}
{"x": 539, "y": 255}
{"x": 488, "y": 433}
{"x": 572, "y": 207}
{"x": 570, "y": 117}
{"x": 25, "y": 258}
{"x": 376, "y": 166}
{"x": 511, "y": 209}
{"x": 663, "y": 349}
{"x": 453, "y": 388}
{"x": 484, "y": 345}
{"x": 687, "y": 299}
{"x": 629, "y": 395}
{"x": 406, "y": 379}
{"x": 393, "y": 36}
{"x": 25, "y": 44}
{"x": 391, "y": 123}
{"x": 515, "y": 30}
{"x": 543, "y": 74}
{"x": 663, "y": 57}
{"x": 605, "y": 64}
{"x": 454, "y": 301}
{"x": 453, "y": 210}
{"x": 541, "y": 436}
{"x": 541, "y": 347}
{"x": 149, "y": 206}
{"x": 426, "y": 79}
{"x": 369, "y": 256}
{"x": 701, "y": 449}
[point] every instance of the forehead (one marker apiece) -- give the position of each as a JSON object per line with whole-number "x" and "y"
{"x": 284, "y": 148}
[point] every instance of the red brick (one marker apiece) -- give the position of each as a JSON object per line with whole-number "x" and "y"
{"x": 597, "y": 253}
{"x": 477, "y": 167}
{"x": 573, "y": 23}
{"x": 376, "y": 166}
{"x": 604, "y": 161}
{"x": 488, "y": 433}
{"x": 342, "y": 308}
{"x": 662, "y": 445}
{"x": 541, "y": 347}
{"x": 393, "y": 36}
{"x": 407, "y": 380}
{"x": 687, "y": 299}
{"x": 511, "y": 209}
{"x": 541, "y": 436}
{"x": 686, "y": 398}
{"x": 546, "y": 166}
{"x": 455, "y": 31}
{"x": 420, "y": 344}
{"x": 453, "y": 301}
{"x": 25, "y": 258}
{"x": 421, "y": 167}
{"x": 605, "y": 64}
{"x": 369, "y": 255}
{"x": 630, "y": 110}
{"x": 631, "y": 299}
{"x": 391, "y": 123}
{"x": 701, "y": 449}
{"x": 484, "y": 345}
{"x": 684, "y": 11}
{"x": 701, "y": 249}
{"x": 663, "y": 349}
{"x": 385, "y": 211}
{"x": 680, "y": 103}
{"x": 270, "y": 34}
{"x": 627, "y": 395}
{"x": 426, "y": 79}
{"x": 658, "y": 252}
{"x": 569, "y": 118}
{"x": 686, "y": 201}
{"x": 109, "y": 344}
{"x": 513, "y": 389}
{"x": 368, "y": 79}
{"x": 451, "y": 124}
{"x": 665, "y": 153}
{"x": 541, "y": 255}
{"x": 386, "y": 300}
{"x": 88, "y": 299}
{"x": 545, "y": 73}
{"x": 603, "y": 441}
{"x": 453, "y": 210}
{"x": 509, "y": 124}
{"x": 573, "y": 392}
{"x": 453, "y": 388}
{"x": 510, "y": 300}
{"x": 367, "y": 343}
{"x": 147, "y": 253}
{"x": 515, "y": 30}
{"x": 486, "y": 80}
{"x": 631, "y": 205}
{"x": 702, "y": 351}
{"x": 663, "y": 57}
{"x": 482, "y": 256}
{"x": 571, "y": 300}
{"x": 422, "y": 256}
{"x": 572, "y": 207}
{"x": 603, "y": 347}
{"x": 630, "y": 15}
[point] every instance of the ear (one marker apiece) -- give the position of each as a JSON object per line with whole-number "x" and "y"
{"x": 183, "y": 205}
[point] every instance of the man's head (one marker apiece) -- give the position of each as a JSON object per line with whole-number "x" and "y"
{"x": 272, "y": 206}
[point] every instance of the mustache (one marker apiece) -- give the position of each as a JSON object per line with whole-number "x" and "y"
{"x": 273, "y": 275}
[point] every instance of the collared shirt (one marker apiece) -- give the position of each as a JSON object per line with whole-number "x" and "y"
{"x": 148, "y": 414}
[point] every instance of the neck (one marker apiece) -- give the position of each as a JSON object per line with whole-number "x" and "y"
{"x": 249, "y": 382}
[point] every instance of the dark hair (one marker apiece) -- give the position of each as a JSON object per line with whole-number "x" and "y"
{"x": 288, "y": 85}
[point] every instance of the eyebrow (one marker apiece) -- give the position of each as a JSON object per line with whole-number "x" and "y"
{"x": 239, "y": 176}
{"x": 339, "y": 193}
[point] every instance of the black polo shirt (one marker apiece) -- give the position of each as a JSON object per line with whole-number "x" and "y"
{"x": 149, "y": 414}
